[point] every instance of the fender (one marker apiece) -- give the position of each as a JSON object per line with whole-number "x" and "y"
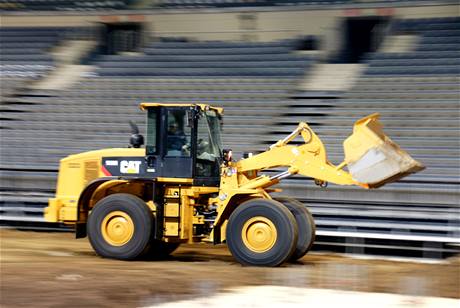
{"x": 83, "y": 202}
{"x": 92, "y": 190}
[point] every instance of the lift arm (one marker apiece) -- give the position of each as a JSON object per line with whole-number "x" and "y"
{"x": 372, "y": 158}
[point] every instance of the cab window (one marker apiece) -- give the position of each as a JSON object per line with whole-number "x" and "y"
{"x": 178, "y": 138}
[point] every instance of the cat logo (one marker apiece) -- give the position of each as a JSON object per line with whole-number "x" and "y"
{"x": 130, "y": 167}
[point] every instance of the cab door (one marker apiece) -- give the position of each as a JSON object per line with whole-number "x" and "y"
{"x": 153, "y": 145}
{"x": 178, "y": 143}
{"x": 169, "y": 145}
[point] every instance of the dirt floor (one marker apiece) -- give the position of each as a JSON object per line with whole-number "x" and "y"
{"x": 40, "y": 269}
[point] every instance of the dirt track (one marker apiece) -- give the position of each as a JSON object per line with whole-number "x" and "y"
{"x": 55, "y": 270}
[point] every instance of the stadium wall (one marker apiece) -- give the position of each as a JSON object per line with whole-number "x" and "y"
{"x": 263, "y": 25}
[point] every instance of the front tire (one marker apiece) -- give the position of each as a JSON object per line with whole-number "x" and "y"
{"x": 120, "y": 227}
{"x": 261, "y": 232}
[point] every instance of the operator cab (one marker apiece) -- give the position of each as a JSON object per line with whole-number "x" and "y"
{"x": 184, "y": 141}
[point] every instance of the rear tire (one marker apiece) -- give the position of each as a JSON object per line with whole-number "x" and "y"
{"x": 261, "y": 232}
{"x": 120, "y": 227}
{"x": 305, "y": 224}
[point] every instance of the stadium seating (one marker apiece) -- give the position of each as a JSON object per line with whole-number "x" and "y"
{"x": 67, "y": 5}
{"x": 107, "y": 5}
{"x": 25, "y": 54}
{"x": 208, "y": 59}
{"x": 45, "y": 126}
{"x": 63, "y": 5}
{"x": 24, "y": 51}
{"x": 436, "y": 52}
{"x": 416, "y": 93}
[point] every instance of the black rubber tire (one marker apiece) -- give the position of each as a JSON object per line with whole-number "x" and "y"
{"x": 160, "y": 250}
{"x": 282, "y": 219}
{"x": 143, "y": 223}
{"x": 305, "y": 224}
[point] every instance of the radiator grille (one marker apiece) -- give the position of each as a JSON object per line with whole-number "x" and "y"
{"x": 91, "y": 170}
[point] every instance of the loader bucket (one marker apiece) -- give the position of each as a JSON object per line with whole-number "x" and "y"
{"x": 373, "y": 159}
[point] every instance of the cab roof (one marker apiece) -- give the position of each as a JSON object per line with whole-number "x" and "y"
{"x": 146, "y": 105}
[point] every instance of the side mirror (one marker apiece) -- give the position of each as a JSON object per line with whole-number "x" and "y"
{"x": 136, "y": 140}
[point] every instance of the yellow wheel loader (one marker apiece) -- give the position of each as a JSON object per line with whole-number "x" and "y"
{"x": 183, "y": 187}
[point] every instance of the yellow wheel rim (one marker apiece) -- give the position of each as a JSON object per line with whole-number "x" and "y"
{"x": 259, "y": 234}
{"x": 117, "y": 228}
